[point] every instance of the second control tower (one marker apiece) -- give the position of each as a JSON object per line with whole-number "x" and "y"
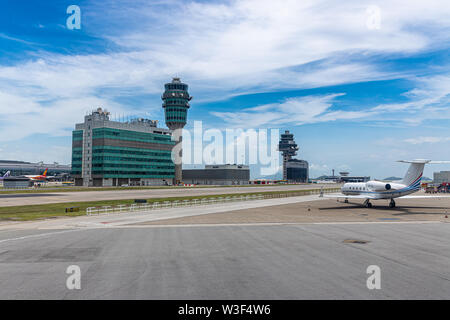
{"x": 288, "y": 149}
{"x": 176, "y": 103}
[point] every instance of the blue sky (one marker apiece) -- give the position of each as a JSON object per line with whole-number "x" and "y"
{"x": 357, "y": 95}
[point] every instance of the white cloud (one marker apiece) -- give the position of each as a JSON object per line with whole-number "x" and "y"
{"x": 421, "y": 140}
{"x": 222, "y": 49}
{"x": 295, "y": 111}
{"x": 430, "y": 100}
{"x": 318, "y": 170}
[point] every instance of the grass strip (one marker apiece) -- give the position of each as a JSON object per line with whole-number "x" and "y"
{"x": 89, "y": 189}
{"x": 45, "y": 211}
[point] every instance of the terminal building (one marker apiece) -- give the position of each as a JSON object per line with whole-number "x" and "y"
{"x": 226, "y": 174}
{"x": 343, "y": 177}
{"x": 113, "y": 153}
{"x": 294, "y": 170}
{"x": 20, "y": 168}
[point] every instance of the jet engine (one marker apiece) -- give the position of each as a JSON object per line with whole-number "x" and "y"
{"x": 379, "y": 186}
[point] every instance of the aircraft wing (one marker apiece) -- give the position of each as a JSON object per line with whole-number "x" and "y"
{"x": 340, "y": 195}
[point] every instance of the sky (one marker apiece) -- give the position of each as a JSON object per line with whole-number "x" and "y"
{"x": 359, "y": 83}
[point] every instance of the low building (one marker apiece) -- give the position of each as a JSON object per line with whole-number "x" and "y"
{"x": 441, "y": 177}
{"x": 17, "y": 183}
{"x": 113, "y": 153}
{"x": 354, "y": 179}
{"x": 341, "y": 179}
{"x": 227, "y": 174}
{"x": 297, "y": 170}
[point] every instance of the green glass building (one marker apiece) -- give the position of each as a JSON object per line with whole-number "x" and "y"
{"x": 112, "y": 153}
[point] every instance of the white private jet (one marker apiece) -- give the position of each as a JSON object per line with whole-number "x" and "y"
{"x": 377, "y": 190}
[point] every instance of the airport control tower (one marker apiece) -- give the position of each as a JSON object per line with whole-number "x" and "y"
{"x": 288, "y": 148}
{"x": 176, "y": 103}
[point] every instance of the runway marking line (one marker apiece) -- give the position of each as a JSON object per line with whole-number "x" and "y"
{"x": 41, "y": 234}
{"x": 265, "y": 224}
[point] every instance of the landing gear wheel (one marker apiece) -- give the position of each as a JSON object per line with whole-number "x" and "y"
{"x": 346, "y": 200}
{"x": 392, "y": 204}
{"x": 367, "y": 204}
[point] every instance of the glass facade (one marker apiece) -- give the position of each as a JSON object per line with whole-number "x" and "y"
{"x": 297, "y": 174}
{"x": 175, "y": 103}
{"x": 77, "y": 152}
{"x": 118, "y": 153}
{"x": 129, "y": 135}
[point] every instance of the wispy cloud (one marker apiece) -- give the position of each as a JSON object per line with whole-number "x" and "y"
{"x": 223, "y": 49}
{"x": 7, "y": 37}
{"x": 421, "y": 140}
{"x": 430, "y": 100}
{"x": 295, "y": 111}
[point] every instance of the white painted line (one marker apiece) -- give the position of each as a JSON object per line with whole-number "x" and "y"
{"x": 40, "y": 235}
{"x": 257, "y": 224}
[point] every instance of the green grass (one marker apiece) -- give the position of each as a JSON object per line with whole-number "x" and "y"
{"x": 45, "y": 211}
{"x": 87, "y": 189}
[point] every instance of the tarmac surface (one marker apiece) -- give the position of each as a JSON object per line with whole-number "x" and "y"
{"x": 80, "y": 196}
{"x": 326, "y": 210}
{"x": 262, "y": 249}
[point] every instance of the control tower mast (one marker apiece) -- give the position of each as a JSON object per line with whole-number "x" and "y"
{"x": 288, "y": 149}
{"x": 175, "y": 103}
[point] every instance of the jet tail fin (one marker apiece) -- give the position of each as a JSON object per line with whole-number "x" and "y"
{"x": 415, "y": 171}
{"x": 45, "y": 172}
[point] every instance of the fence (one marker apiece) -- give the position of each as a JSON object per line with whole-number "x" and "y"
{"x": 200, "y": 201}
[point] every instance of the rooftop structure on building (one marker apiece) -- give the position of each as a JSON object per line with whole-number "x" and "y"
{"x": 287, "y": 144}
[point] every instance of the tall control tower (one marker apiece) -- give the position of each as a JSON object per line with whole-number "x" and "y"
{"x": 288, "y": 148}
{"x": 176, "y": 103}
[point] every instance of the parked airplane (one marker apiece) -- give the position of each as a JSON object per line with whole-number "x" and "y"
{"x": 6, "y": 175}
{"x": 377, "y": 190}
{"x": 40, "y": 177}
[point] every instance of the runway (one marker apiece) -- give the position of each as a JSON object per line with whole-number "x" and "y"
{"x": 288, "y": 248}
{"x": 80, "y": 196}
{"x": 231, "y": 262}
